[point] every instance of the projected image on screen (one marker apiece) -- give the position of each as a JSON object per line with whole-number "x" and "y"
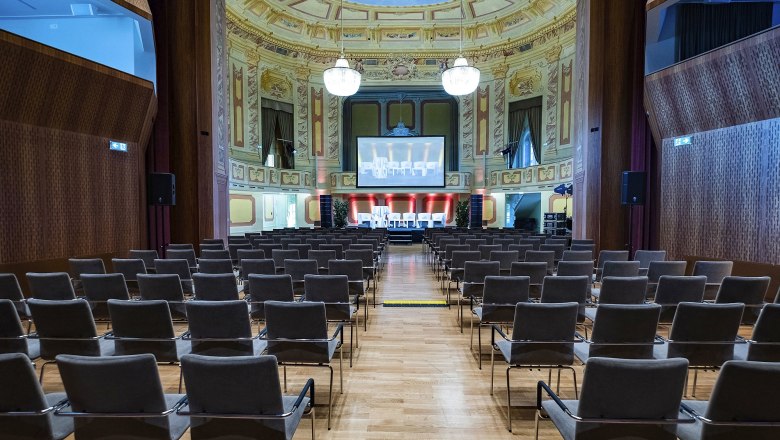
{"x": 400, "y": 162}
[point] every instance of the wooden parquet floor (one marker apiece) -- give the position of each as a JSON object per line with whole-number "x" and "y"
{"x": 414, "y": 375}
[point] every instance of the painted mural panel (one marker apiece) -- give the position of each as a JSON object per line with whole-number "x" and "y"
{"x": 317, "y": 122}
{"x": 238, "y": 106}
{"x": 564, "y": 120}
{"x": 483, "y": 120}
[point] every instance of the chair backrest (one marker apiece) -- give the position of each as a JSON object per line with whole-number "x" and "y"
{"x": 621, "y": 325}
{"x": 486, "y": 249}
{"x": 303, "y": 249}
{"x": 542, "y": 256}
{"x": 629, "y": 389}
{"x": 9, "y": 287}
{"x": 557, "y": 249}
{"x": 585, "y": 241}
{"x": 224, "y": 320}
{"x": 268, "y": 287}
{"x": 705, "y": 322}
{"x": 316, "y": 242}
{"x": 234, "y": 248}
{"x": 221, "y": 254}
{"x": 92, "y": 386}
{"x": 212, "y": 247}
{"x": 353, "y": 269}
{"x": 748, "y": 290}
{"x": 504, "y": 258}
{"x": 322, "y": 257}
{"x": 452, "y": 248}
{"x": 715, "y": 271}
{"x": 212, "y": 387}
{"x": 475, "y": 243}
{"x": 656, "y": 269}
{"x": 129, "y": 267}
{"x": 345, "y": 243}
{"x": 536, "y": 271}
{"x": 566, "y": 289}
{"x": 64, "y": 327}
{"x": 11, "y": 333}
{"x": 166, "y": 287}
{"x": 673, "y": 290}
{"x": 536, "y": 322}
{"x": 337, "y": 248}
{"x": 744, "y": 392}
{"x": 180, "y": 246}
{"x": 51, "y": 286}
{"x": 620, "y": 269}
{"x": 147, "y": 255}
{"x": 474, "y": 273}
{"x": 80, "y": 266}
{"x": 298, "y": 269}
{"x": 575, "y": 268}
{"x": 215, "y": 266}
{"x": 623, "y": 290}
{"x": 463, "y": 237}
{"x": 645, "y": 257}
{"x": 364, "y": 255}
{"x": 571, "y": 255}
{"x": 23, "y": 393}
{"x": 99, "y": 288}
{"x": 459, "y": 258}
{"x": 178, "y": 267}
{"x": 182, "y": 254}
{"x": 503, "y": 242}
{"x": 582, "y": 247}
{"x": 333, "y": 290}
{"x": 279, "y": 255}
{"x": 501, "y": 294}
{"x": 215, "y": 287}
{"x": 143, "y": 320}
{"x": 534, "y": 242}
{"x": 252, "y": 266}
{"x": 766, "y": 330}
{"x": 605, "y": 256}
{"x": 249, "y": 254}
{"x": 521, "y": 250}
{"x": 297, "y": 320}
{"x": 218, "y": 241}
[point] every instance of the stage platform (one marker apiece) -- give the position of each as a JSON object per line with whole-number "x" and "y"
{"x": 405, "y": 235}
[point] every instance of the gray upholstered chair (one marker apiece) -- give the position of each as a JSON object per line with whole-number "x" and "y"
{"x": 542, "y": 335}
{"x": 505, "y": 260}
{"x": 536, "y": 271}
{"x": 703, "y": 333}
{"x": 743, "y": 404}
{"x": 353, "y": 269}
{"x": 316, "y": 242}
{"x": 183, "y": 254}
{"x": 621, "y": 290}
{"x": 521, "y": 250}
{"x": 747, "y": 290}
{"x": 139, "y": 327}
{"x": 215, "y": 254}
{"x": 369, "y": 268}
{"x": 333, "y": 291}
{"x": 542, "y": 256}
{"x": 715, "y": 271}
{"x": 215, "y": 287}
{"x": 645, "y": 257}
{"x": 12, "y": 291}
{"x": 99, "y": 288}
{"x": 286, "y": 242}
{"x": 180, "y": 247}
{"x": 605, "y": 256}
{"x": 79, "y": 266}
{"x": 764, "y": 345}
{"x": 456, "y": 256}
{"x": 268, "y": 287}
{"x": 534, "y": 242}
{"x": 582, "y": 247}
{"x": 212, "y": 241}
{"x": 562, "y": 289}
{"x": 322, "y": 257}
{"x": 26, "y": 413}
{"x": 621, "y": 331}
{"x": 337, "y": 248}
{"x": 147, "y": 255}
{"x": 178, "y": 267}
{"x": 503, "y": 242}
{"x": 104, "y": 407}
{"x": 212, "y": 247}
{"x": 499, "y": 297}
{"x": 672, "y": 290}
{"x": 657, "y": 269}
{"x": 297, "y": 334}
{"x": 52, "y": 286}
{"x": 215, "y": 266}
{"x": 473, "y": 285}
{"x": 221, "y": 328}
{"x": 620, "y": 399}
{"x": 12, "y": 335}
{"x": 475, "y": 243}
{"x": 234, "y": 248}
{"x": 620, "y": 269}
{"x": 249, "y": 254}
{"x": 279, "y": 255}
{"x": 240, "y": 397}
{"x": 303, "y": 249}
{"x": 165, "y": 287}
{"x": 570, "y": 255}
{"x": 298, "y": 269}
{"x": 344, "y": 242}
{"x": 66, "y": 327}
{"x": 556, "y": 248}
{"x": 264, "y": 266}
{"x": 129, "y": 268}
{"x": 486, "y": 249}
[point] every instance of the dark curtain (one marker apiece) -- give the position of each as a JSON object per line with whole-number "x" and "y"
{"x": 269, "y": 131}
{"x": 516, "y": 122}
{"x": 701, "y": 27}
{"x": 535, "y": 127}
{"x": 284, "y": 122}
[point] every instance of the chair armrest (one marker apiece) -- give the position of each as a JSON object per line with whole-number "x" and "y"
{"x": 692, "y": 413}
{"x": 60, "y": 411}
{"x": 42, "y": 412}
{"x": 308, "y": 387}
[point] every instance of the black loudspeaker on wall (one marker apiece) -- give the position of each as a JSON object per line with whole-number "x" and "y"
{"x": 632, "y": 190}
{"x": 475, "y": 217}
{"x": 162, "y": 189}
{"x": 326, "y": 211}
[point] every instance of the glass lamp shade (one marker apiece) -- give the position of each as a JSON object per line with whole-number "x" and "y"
{"x": 341, "y": 80}
{"x": 460, "y": 79}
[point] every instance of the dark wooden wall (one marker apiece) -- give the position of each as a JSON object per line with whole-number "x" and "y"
{"x": 64, "y": 193}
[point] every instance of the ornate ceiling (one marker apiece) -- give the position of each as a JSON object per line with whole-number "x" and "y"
{"x": 400, "y": 25}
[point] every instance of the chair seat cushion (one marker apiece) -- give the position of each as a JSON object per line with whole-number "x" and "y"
{"x": 292, "y": 422}
{"x": 741, "y": 351}
{"x": 691, "y": 431}
{"x": 177, "y": 424}
{"x": 61, "y": 426}
{"x": 565, "y": 424}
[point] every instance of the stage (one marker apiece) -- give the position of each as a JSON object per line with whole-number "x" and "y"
{"x": 404, "y": 235}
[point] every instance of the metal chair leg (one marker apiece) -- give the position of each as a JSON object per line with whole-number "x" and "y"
{"x": 330, "y": 396}
{"x": 508, "y": 400}
{"x": 536, "y": 425}
{"x": 492, "y": 368}
{"x": 479, "y": 343}
{"x": 313, "y": 419}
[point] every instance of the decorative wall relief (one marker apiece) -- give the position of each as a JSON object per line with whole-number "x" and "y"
{"x": 220, "y": 42}
{"x": 253, "y": 102}
{"x": 401, "y": 68}
{"x": 565, "y": 118}
{"x": 317, "y": 122}
{"x": 238, "y": 106}
{"x": 483, "y": 120}
{"x": 499, "y": 83}
{"x": 276, "y": 85}
{"x": 302, "y": 107}
{"x": 551, "y": 100}
{"x": 333, "y": 127}
{"x": 468, "y": 126}
{"x": 525, "y": 82}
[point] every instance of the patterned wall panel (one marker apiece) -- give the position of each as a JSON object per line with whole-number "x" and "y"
{"x": 483, "y": 120}
{"x": 720, "y": 194}
{"x": 732, "y": 85}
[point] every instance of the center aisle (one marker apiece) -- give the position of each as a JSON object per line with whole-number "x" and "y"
{"x": 414, "y": 375}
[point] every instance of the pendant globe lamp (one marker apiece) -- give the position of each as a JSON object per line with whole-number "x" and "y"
{"x": 341, "y": 80}
{"x": 460, "y": 79}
